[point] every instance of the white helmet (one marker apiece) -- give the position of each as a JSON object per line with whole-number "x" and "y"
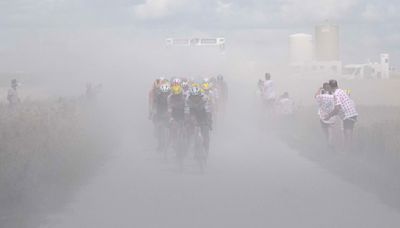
{"x": 195, "y": 91}
{"x": 185, "y": 85}
{"x": 165, "y": 88}
{"x": 176, "y": 81}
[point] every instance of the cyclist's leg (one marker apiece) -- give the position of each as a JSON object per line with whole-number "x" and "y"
{"x": 205, "y": 132}
{"x": 182, "y": 139}
{"x": 173, "y": 131}
{"x": 189, "y": 130}
{"x": 158, "y": 131}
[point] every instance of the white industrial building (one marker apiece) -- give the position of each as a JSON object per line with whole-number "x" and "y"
{"x": 322, "y": 56}
{"x": 327, "y": 43}
{"x": 371, "y": 70}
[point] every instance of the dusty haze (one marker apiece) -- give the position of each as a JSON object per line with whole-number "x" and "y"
{"x": 260, "y": 173}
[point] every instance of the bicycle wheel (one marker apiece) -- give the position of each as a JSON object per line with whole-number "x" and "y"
{"x": 200, "y": 150}
{"x": 181, "y": 147}
{"x": 163, "y": 140}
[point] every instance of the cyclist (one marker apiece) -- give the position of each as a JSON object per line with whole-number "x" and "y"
{"x": 176, "y": 110}
{"x": 211, "y": 96}
{"x": 198, "y": 110}
{"x": 176, "y": 103}
{"x": 152, "y": 94}
{"x": 185, "y": 88}
{"x": 161, "y": 114}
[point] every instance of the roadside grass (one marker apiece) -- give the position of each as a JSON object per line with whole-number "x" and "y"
{"x": 47, "y": 149}
{"x": 376, "y": 133}
{"x": 377, "y": 130}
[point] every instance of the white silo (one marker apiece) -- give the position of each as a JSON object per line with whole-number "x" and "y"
{"x": 301, "y": 49}
{"x": 327, "y": 42}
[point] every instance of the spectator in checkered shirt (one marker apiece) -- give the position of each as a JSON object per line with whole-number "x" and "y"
{"x": 326, "y": 104}
{"x": 345, "y": 108}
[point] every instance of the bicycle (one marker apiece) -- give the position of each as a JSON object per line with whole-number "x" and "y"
{"x": 201, "y": 145}
{"x": 179, "y": 140}
{"x": 162, "y": 137}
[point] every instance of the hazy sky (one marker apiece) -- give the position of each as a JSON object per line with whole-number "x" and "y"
{"x": 368, "y": 27}
{"x": 199, "y": 13}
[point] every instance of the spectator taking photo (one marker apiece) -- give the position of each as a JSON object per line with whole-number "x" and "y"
{"x": 326, "y": 104}
{"x": 345, "y": 109}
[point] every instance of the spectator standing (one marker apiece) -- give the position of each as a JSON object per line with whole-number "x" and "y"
{"x": 260, "y": 87}
{"x": 222, "y": 92}
{"x": 326, "y": 105}
{"x": 285, "y": 105}
{"x": 12, "y": 95}
{"x": 345, "y": 108}
{"x": 268, "y": 91}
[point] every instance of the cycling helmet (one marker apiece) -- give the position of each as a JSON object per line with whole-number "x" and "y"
{"x": 176, "y": 89}
{"x": 197, "y": 85}
{"x": 185, "y": 85}
{"x": 206, "y": 86}
{"x": 156, "y": 83}
{"x": 176, "y": 81}
{"x": 195, "y": 91}
{"x": 164, "y": 80}
{"x": 165, "y": 88}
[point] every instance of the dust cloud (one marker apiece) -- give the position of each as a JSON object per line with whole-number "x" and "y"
{"x": 80, "y": 150}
